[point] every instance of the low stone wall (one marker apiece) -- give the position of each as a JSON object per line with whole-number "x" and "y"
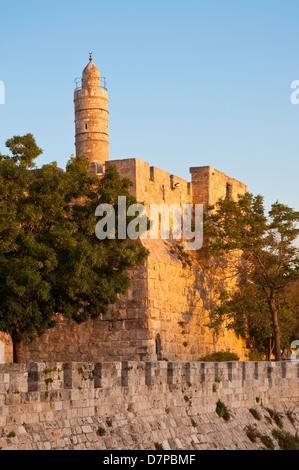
{"x": 137, "y": 405}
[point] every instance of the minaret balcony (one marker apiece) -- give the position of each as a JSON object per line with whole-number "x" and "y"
{"x": 78, "y": 82}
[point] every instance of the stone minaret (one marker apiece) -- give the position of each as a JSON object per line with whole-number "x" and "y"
{"x": 91, "y": 118}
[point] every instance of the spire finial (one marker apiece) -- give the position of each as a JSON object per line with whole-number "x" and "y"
{"x": 90, "y": 56}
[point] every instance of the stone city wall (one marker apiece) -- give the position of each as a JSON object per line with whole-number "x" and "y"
{"x": 139, "y": 405}
{"x": 164, "y": 315}
{"x": 119, "y": 335}
{"x": 167, "y": 310}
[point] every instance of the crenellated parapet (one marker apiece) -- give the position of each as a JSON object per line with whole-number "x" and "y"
{"x": 133, "y": 405}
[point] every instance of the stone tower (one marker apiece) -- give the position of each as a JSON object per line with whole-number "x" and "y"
{"x": 91, "y": 118}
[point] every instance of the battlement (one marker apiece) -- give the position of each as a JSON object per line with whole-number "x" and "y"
{"x": 264, "y": 377}
{"x": 131, "y": 405}
{"x": 210, "y": 184}
{"x": 153, "y": 185}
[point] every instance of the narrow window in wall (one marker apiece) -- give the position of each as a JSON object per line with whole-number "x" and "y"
{"x": 158, "y": 347}
{"x": 229, "y": 191}
{"x": 85, "y": 126}
{"x": 159, "y": 224}
{"x": 152, "y": 178}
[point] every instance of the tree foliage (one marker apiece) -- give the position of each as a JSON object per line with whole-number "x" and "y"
{"x": 50, "y": 259}
{"x": 261, "y": 306}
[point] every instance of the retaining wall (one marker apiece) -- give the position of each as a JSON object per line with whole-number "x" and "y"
{"x": 133, "y": 405}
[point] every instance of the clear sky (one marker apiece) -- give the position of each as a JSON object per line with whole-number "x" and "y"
{"x": 190, "y": 83}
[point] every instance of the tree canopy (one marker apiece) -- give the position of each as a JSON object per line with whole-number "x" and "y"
{"x": 266, "y": 267}
{"x": 50, "y": 259}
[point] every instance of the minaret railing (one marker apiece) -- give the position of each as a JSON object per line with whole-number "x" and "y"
{"x": 78, "y": 83}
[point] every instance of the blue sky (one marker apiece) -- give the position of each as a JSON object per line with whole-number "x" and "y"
{"x": 189, "y": 83}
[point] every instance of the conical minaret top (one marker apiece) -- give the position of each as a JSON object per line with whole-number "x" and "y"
{"x": 90, "y": 75}
{"x": 91, "y": 118}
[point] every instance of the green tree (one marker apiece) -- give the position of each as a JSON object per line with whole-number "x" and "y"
{"x": 50, "y": 259}
{"x": 267, "y": 263}
{"x": 246, "y": 311}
